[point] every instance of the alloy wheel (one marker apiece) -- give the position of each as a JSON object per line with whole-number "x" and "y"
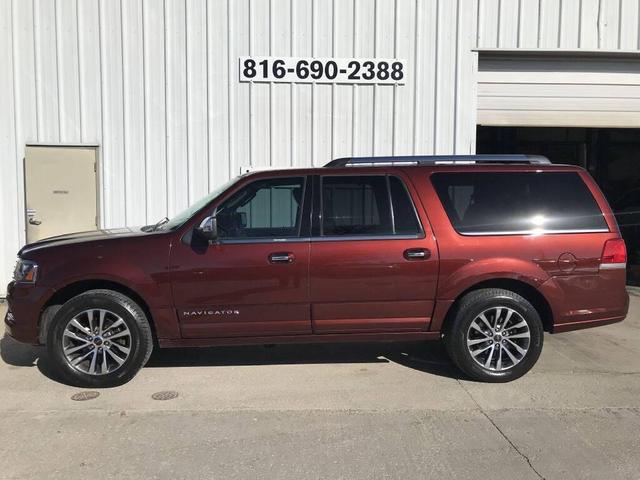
{"x": 96, "y": 342}
{"x": 498, "y": 338}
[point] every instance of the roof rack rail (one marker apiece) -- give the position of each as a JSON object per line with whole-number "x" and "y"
{"x": 405, "y": 161}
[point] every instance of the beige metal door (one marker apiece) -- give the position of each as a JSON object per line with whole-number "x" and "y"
{"x": 60, "y": 190}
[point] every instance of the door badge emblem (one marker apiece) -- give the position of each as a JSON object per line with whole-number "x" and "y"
{"x": 204, "y": 313}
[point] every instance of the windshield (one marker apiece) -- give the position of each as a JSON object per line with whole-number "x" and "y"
{"x": 186, "y": 214}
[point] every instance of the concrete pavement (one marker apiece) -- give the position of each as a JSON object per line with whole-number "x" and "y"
{"x": 333, "y": 411}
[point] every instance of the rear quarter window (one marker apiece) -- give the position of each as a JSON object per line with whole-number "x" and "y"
{"x": 488, "y": 203}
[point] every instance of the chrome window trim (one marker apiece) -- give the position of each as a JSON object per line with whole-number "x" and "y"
{"x": 244, "y": 241}
{"x": 335, "y": 238}
{"x": 351, "y": 238}
{"x": 531, "y": 232}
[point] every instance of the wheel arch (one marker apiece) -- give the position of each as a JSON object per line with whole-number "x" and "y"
{"x": 66, "y": 293}
{"x": 526, "y": 290}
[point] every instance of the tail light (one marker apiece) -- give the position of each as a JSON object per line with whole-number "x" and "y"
{"x": 614, "y": 254}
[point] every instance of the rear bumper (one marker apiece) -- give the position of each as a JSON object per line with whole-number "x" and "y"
{"x": 25, "y": 304}
{"x": 585, "y": 301}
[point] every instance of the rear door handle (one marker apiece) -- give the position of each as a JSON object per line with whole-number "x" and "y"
{"x": 281, "y": 257}
{"x": 417, "y": 253}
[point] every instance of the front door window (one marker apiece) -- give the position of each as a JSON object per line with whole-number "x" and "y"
{"x": 268, "y": 208}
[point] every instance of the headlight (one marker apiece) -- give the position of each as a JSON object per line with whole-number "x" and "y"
{"x": 26, "y": 271}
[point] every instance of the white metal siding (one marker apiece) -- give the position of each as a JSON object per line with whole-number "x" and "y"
{"x": 558, "y": 90}
{"x": 155, "y": 84}
{"x": 566, "y": 24}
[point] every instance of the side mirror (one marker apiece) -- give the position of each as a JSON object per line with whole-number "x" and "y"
{"x": 208, "y": 229}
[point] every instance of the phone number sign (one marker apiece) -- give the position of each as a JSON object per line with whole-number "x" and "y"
{"x": 322, "y": 70}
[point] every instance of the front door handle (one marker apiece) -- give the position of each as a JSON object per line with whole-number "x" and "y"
{"x": 281, "y": 257}
{"x": 33, "y": 221}
{"x": 417, "y": 253}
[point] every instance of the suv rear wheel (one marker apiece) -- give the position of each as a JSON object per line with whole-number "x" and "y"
{"x": 496, "y": 335}
{"x": 100, "y": 338}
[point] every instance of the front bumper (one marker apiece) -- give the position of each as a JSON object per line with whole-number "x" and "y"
{"x": 25, "y": 303}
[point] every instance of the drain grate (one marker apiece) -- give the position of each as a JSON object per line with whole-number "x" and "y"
{"x": 165, "y": 395}
{"x": 82, "y": 396}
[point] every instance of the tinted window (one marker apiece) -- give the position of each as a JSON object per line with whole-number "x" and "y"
{"x": 355, "y": 206}
{"x": 360, "y": 205}
{"x": 404, "y": 213}
{"x": 485, "y": 202}
{"x": 268, "y": 208}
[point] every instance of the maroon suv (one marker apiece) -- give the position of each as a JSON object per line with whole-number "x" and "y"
{"x": 485, "y": 251}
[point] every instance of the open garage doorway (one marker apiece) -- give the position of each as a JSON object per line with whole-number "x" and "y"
{"x": 611, "y": 155}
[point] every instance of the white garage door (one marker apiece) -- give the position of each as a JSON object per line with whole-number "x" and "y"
{"x": 568, "y": 90}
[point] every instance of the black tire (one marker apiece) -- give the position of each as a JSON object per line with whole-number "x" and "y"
{"x": 468, "y": 309}
{"x": 140, "y": 340}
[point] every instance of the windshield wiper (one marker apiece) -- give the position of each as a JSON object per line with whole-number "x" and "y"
{"x": 160, "y": 223}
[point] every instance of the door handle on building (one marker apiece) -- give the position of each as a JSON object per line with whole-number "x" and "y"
{"x": 31, "y": 214}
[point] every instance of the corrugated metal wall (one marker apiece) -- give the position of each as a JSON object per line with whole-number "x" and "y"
{"x": 155, "y": 84}
{"x": 550, "y": 24}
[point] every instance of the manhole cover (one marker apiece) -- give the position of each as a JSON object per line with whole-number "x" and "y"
{"x": 82, "y": 396}
{"x": 165, "y": 395}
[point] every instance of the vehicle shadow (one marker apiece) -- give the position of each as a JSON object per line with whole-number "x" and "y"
{"x": 428, "y": 357}
{"x": 18, "y": 354}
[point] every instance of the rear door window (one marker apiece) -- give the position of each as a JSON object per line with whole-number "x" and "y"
{"x": 488, "y": 203}
{"x": 370, "y": 205}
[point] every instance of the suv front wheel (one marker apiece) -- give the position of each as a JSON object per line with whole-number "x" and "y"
{"x": 496, "y": 335}
{"x": 100, "y": 338}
